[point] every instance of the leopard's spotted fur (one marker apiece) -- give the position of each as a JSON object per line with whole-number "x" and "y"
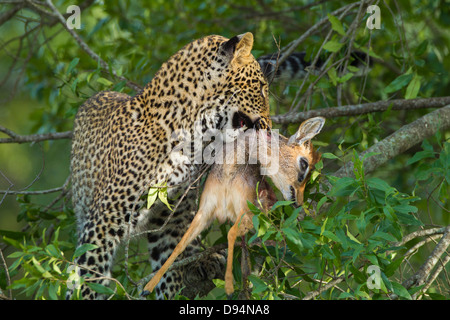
{"x": 122, "y": 146}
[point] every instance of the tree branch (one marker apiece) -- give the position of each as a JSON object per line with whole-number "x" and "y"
{"x": 358, "y": 109}
{"x": 401, "y": 140}
{"x": 38, "y": 192}
{"x": 16, "y": 138}
{"x": 421, "y": 276}
{"x": 5, "y": 16}
{"x": 417, "y": 234}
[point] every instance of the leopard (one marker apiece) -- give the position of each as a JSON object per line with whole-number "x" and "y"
{"x": 123, "y": 145}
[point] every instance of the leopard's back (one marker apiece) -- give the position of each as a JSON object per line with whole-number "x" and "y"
{"x": 92, "y": 142}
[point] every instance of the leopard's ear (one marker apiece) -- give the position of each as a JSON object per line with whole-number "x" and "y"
{"x": 239, "y": 49}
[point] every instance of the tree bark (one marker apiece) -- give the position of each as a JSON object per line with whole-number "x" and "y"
{"x": 358, "y": 109}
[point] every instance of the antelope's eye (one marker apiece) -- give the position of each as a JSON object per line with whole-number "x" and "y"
{"x": 303, "y": 164}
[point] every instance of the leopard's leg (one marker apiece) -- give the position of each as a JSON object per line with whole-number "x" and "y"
{"x": 193, "y": 276}
{"x": 106, "y": 233}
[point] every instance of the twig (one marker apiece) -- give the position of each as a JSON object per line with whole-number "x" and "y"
{"x": 8, "y": 278}
{"x": 421, "y": 243}
{"x": 311, "y": 295}
{"x": 37, "y": 192}
{"x": 5, "y": 16}
{"x": 17, "y": 138}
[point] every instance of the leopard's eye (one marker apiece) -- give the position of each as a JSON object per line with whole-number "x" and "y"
{"x": 262, "y": 88}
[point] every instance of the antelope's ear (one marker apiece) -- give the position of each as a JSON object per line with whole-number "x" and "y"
{"x": 238, "y": 49}
{"x": 307, "y": 130}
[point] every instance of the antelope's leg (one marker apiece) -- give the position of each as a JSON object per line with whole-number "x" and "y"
{"x": 240, "y": 228}
{"x": 245, "y": 268}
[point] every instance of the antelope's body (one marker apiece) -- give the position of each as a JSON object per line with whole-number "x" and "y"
{"x": 230, "y": 185}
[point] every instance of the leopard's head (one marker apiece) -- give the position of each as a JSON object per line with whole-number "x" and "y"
{"x": 220, "y": 83}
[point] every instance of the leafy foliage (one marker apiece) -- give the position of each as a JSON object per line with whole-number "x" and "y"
{"x": 346, "y": 243}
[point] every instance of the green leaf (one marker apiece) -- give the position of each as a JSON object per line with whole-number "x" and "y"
{"x": 72, "y": 65}
{"x": 16, "y": 254}
{"x": 258, "y": 284}
{"x": 368, "y": 155}
{"x": 356, "y": 252}
{"x": 13, "y": 242}
{"x": 419, "y": 156}
{"x": 436, "y": 296}
{"x": 293, "y": 240}
{"x": 263, "y": 224}
{"x": 328, "y": 155}
{"x": 343, "y": 238}
{"x": 254, "y": 209}
{"x": 343, "y": 187}
{"x": 393, "y": 266}
{"x": 358, "y": 275}
{"x": 162, "y": 195}
{"x": 53, "y": 291}
{"x": 398, "y": 83}
{"x": 332, "y": 75}
{"x": 292, "y": 218}
{"x": 83, "y": 249}
{"x": 16, "y": 235}
{"x": 321, "y": 202}
{"x": 413, "y": 88}
{"x": 104, "y": 81}
{"x": 327, "y": 253}
{"x": 336, "y": 25}
{"x": 421, "y": 48}
{"x": 152, "y": 196}
{"x": 330, "y": 235}
{"x": 345, "y": 77}
{"x": 281, "y": 204}
{"x": 400, "y": 290}
{"x": 408, "y": 219}
{"x": 377, "y": 183}
{"x": 333, "y": 46}
{"x": 38, "y": 265}
{"x": 351, "y": 236}
{"x": 383, "y": 235}
{"x": 372, "y": 258}
{"x": 53, "y": 251}
{"x": 100, "y": 288}
{"x": 353, "y": 69}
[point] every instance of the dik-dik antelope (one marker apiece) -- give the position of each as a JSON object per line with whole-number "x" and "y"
{"x": 230, "y": 185}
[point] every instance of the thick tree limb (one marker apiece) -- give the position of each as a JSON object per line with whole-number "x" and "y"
{"x": 358, "y": 109}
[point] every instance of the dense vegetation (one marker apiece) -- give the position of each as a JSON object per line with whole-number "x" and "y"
{"x": 377, "y": 222}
